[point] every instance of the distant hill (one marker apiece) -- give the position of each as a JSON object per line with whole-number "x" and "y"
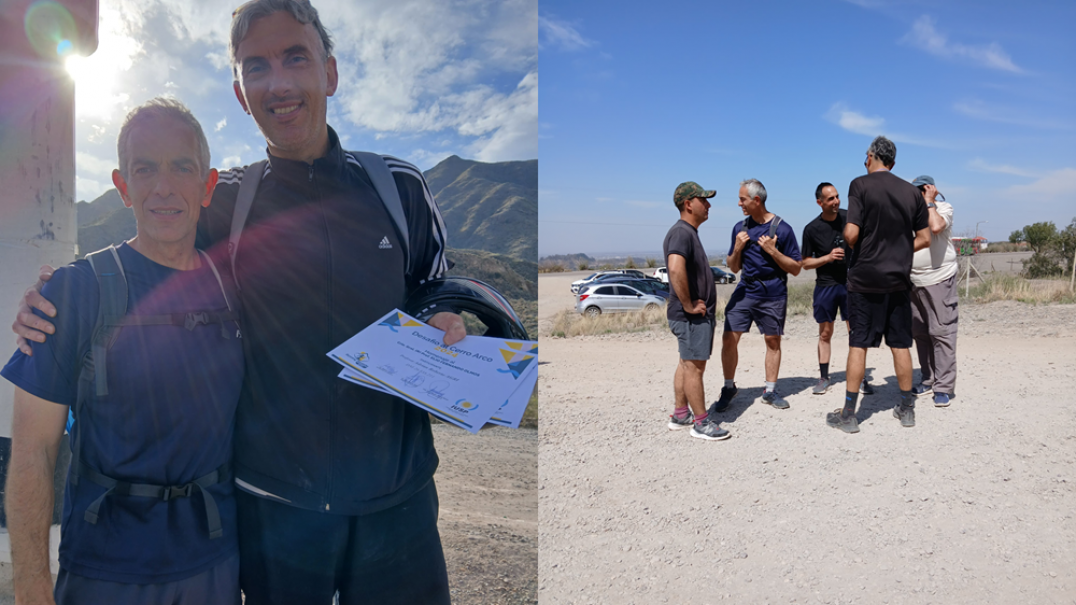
{"x": 491, "y": 207}
{"x": 515, "y": 279}
{"x": 102, "y": 222}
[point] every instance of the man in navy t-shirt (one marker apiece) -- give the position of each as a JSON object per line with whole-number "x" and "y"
{"x": 765, "y": 248}
{"x": 149, "y": 509}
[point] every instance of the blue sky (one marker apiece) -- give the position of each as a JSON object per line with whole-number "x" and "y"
{"x": 980, "y": 95}
{"x": 420, "y": 79}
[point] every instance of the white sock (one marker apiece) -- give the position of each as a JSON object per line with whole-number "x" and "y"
{"x": 730, "y": 383}
{"x": 771, "y": 386}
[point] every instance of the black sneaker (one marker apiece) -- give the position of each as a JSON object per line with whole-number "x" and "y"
{"x": 723, "y": 402}
{"x": 772, "y": 398}
{"x": 906, "y": 415}
{"x": 708, "y": 429}
{"x": 675, "y": 424}
{"x": 838, "y": 420}
{"x": 922, "y": 389}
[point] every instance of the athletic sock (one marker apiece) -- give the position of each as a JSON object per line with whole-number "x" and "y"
{"x": 730, "y": 383}
{"x": 850, "y": 400}
{"x": 771, "y": 386}
{"x": 907, "y": 399}
{"x": 700, "y": 419}
{"x": 824, "y": 369}
{"x": 682, "y": 413}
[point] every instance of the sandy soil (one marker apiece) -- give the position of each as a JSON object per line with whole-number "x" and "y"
{"x": 975, "y": 504}
{"x": 487, "y": 485}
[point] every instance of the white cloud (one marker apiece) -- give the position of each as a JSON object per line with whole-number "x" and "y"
{"x": 1057, "y": 186}
{"x": 979, "y": 110}
{"x": 923, "y": 35}
{"x": 511, "y": 122}
{"x": 232, "y": 161}
{"x": 93, "y": 165}
{"x": 89, "y": 189}
{"x": 556, "y": 33}
{"x": 980, "y": 165}
{"x": 220, "y": 125}
{"x": 853, "y": 121}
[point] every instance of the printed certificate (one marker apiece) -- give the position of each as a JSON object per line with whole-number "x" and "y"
{"x": 475, "y": 381}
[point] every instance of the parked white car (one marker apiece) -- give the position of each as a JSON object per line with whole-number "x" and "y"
{"x": 615, "y": 298}
{"x": 663, "y": 274}
{"x": 578, "y": 284}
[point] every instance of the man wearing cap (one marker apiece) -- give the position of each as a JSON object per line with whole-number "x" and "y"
{"x": 764, "y": 247}
{"x": 887, "y": 223}
{"x": 691, "y": 310}
{"x": 934, "y": 299}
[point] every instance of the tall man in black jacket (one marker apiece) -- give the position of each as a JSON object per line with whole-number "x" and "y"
{"x": 336, "y": 490}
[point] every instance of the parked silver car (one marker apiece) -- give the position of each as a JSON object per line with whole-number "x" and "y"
{"x": 615, "y": 298}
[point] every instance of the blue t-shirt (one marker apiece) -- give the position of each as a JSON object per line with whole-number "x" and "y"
{"x": 167, "y": 420}
{"x": 760, "y": 275}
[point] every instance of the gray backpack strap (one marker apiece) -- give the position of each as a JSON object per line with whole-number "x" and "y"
{"x": 773, "y": 225}
{"x": 252, "y": 176}
{"x": 385, "y": 184}
{"x": 112, "y": 284}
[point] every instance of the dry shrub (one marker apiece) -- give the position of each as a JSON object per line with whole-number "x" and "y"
{"x": 1001, "y": 286}
{"x": 551, "y": 267}
{"x": 568, "y": 323}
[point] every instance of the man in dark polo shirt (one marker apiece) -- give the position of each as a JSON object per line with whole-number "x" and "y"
{"x": 691, "y": 310}
{"x": 824, "y": 251}
{"x": 887, "y": 223}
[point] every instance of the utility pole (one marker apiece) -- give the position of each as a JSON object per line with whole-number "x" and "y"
{"x": 37, "y": 173}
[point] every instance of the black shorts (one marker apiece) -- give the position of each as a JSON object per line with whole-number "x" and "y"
{"x": 871, "y": 316}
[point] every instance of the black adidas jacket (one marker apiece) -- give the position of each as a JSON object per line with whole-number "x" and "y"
{"x": 318, "y": 261}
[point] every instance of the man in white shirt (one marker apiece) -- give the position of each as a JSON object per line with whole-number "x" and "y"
{"x": 934, "y": 299}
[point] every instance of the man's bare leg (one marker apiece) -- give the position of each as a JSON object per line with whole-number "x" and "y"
{"x": 692, "y": 371}
{"x": 773, "y": 357}
{"x": 730, "y": 355}
{"x": 857, "y": 365}
{"x": 825, "y": 335}
{"x": 678, "y": 386}
{"x": 902, "y": 365}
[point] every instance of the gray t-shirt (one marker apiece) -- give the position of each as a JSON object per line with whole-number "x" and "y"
{"x": 683, "y": 239}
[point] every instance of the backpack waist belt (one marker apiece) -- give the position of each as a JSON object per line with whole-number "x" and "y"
{"x": 164, "y": 492}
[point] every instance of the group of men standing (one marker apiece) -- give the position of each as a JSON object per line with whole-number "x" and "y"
{"x": 886, "y": 266}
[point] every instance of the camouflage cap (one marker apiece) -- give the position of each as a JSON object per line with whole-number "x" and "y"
{"x": 688, "y": 190}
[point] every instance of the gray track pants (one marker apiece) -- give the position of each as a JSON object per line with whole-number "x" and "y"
{"x": 934, "y": 327}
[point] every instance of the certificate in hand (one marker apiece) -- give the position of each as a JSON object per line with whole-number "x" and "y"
{"x": 474, "y": 381}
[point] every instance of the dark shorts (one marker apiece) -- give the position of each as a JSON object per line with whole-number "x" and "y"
{"x": 871, "y": 316}
{"x": 695, "y": 338}
{"x": 215, "y": 586}
{"x": 742, "y": 311}
{"x": 297, "y": 557}
{"x": 827, "y": 301}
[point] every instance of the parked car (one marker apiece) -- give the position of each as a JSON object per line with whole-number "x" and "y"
{"x": 723, "y": 277}
{"x": 579, "y": 283}
{"x": 662, "y": 274}
{"x": 647, "y": 285}
{"x": 615, "y": 298}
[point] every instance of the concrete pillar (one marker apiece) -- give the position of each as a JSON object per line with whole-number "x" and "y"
{"x": 37, "y": 174}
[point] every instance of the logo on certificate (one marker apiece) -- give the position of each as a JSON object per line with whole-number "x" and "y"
{"x": 517, "y": 357}
{"x": 465, "y": 406}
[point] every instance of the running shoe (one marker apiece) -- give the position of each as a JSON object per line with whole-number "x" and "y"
{"x": 772, "y": 398}
{"x": 941, "y": 400}
{"x": 708, "y": 429}
{"x": 906, "y": 415}
{"x": 922, "y": 389}
{"x": 821, "y": 386}
{"x": 866, "y": 388}
{"x": 838, "y": 420}
{"x": 675, "y": 424}
{"x": 723, "y": 402}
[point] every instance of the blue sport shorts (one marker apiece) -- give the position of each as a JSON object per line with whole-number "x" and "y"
{"x": 742, "y": 311}
{"x": 827, "y": 301}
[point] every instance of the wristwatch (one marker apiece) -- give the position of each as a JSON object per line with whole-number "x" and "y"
{"x": 932, "y": 205}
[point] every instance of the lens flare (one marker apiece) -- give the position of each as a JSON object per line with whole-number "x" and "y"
{"x": 50, "y": 28}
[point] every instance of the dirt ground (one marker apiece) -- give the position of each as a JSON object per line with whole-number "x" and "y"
{"x": 487, "y": 486}
{"x": 975, "y": 504}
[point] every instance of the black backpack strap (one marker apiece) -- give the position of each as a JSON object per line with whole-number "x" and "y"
{"x": 248, "y": 187}
{"x": 112, "y": 284}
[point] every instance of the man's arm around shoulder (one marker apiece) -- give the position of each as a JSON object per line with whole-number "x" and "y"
{"x": 36, "y": 428}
